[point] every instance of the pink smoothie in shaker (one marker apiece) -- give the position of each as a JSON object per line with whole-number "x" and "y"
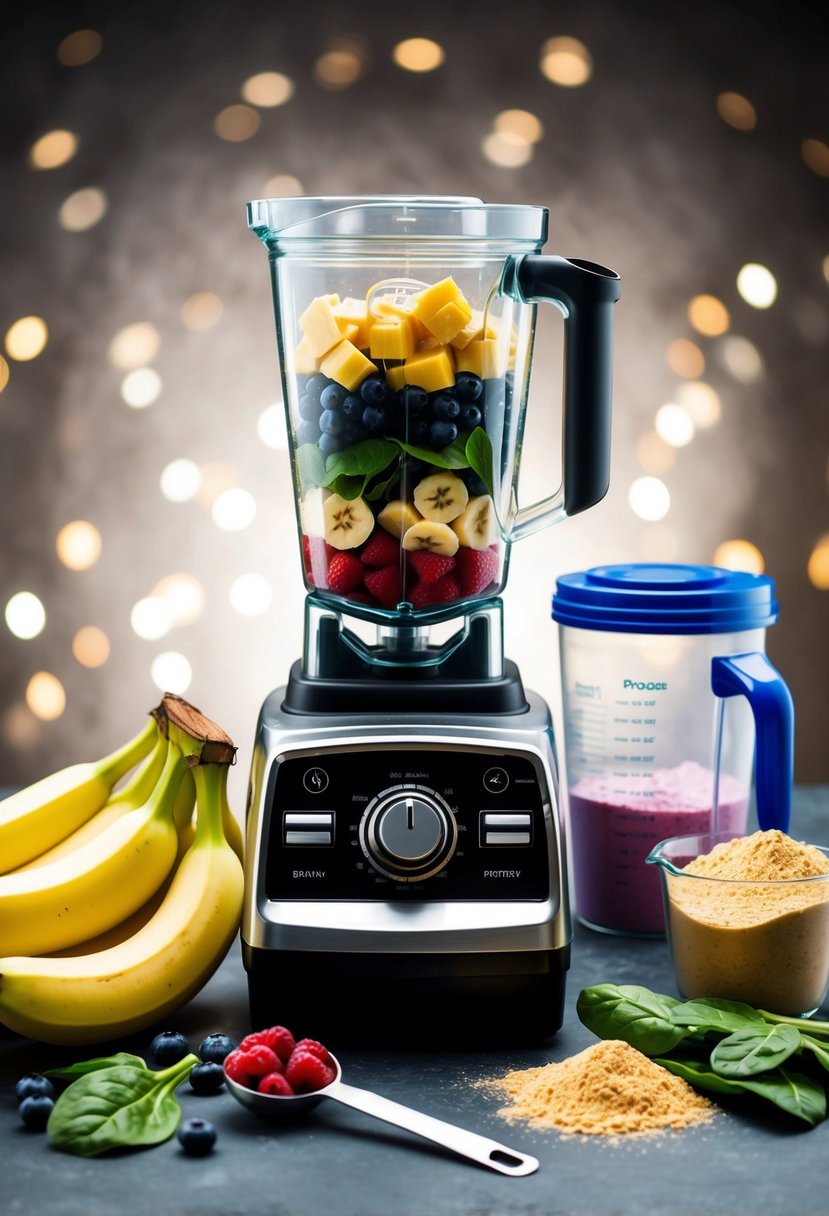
{"x": 616, "y": 821}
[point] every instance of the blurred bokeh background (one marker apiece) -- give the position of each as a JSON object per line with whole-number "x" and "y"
{"x": 147, "y": 537}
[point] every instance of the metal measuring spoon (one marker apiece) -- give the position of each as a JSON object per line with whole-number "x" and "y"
{"x": 486, "y": 1152}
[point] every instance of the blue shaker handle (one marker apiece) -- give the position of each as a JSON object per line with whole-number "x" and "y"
{"x": 753, "y": 677}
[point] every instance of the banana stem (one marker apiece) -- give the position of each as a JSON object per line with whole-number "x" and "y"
{"x": 211, "y": 784}
{"x": 137, "y": 791}
{"x": 113, "y": 767}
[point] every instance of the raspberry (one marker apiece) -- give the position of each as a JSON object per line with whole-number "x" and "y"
{"x": 443, "y": 591}
{"x": 247, "y": 1067}
{"x": 275, "y": 1083}
{"x": 277, "y": 1038}
{"x": 344, "y": 573}
{"x": 431, "y": 566}
{"x": 381, "y": 549}
{"x": 477, "y": 568}
{"x": 306, "y": 1072}
{"x": 315, "y": 1048}
{"x": 385, "y": 585}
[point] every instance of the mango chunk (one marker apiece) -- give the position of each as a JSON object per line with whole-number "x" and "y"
{"x": 401, "y": 306}
{"x": 484, "y": 357}
{"x": 432, "y": 370}
{"x": 449, "y": 320}
{"x": 432, "y": 299}
{"x": 396, "y": 377}
{"x": 306, "y": 362}
{"x": 347, "y": 365}
{"x": 320, "y": 324}
{"x": 474, "y": 329}
{"x": 350, "y": 313}
{"x": 392, "y": 339}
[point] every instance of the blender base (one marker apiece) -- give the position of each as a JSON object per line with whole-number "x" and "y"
{"x": 451, "y": 1000}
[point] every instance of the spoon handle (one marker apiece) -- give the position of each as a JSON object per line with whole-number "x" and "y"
{"x": 486, "y": 1152}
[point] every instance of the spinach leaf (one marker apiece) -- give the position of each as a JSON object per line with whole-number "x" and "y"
{"x": 638, "y": 1016}
{"x": 715, "y": 1013}
{"x": 72, "y": 1071}
{"x": 347, "y": 487}
{"x": 453, "y": 457}
{"x": 310, "y": 465}
{"x": 818, "y": 1049}
{"x": 792, "y": 1092}
{"x": 119, "y": 1107}
{"x": 756, "y": 1049}
{"x": 381, "y": 488}
{"x": 479, "y": 455}
{"x": 813, "y": 1026}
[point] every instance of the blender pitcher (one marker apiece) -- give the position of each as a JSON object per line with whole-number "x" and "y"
{"x": 405, "y": 330}
{"x": 669, "y": 702}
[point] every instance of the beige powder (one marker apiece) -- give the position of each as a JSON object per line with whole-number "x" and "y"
{"x": 608, "y": 1089}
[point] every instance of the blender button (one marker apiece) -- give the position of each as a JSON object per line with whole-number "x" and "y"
{"x": 314, "y": 838}
{"x": 309, "y": 819}
{"x": 496, "y": 780}
{"x": 507, "y": 819}
{"x": 315, "y": 780}
{"x": 501, "y": 838}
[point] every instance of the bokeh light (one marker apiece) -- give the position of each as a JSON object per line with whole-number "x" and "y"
{"x": 53, "y": 149}
{"x": 180, "y": 480}
{"x": 25, "y": 615}
{"x": 506, "y": 151}
{"x": 90, "y": 646}
{"x": 134, "y": 346}
{"x": 183, "y": 596}
{"x": 83, "y": 209}
{"x": 566, "y": 62}
{"x": 815, "y": 155}
{"x": 341, "y": 65}
{"x": 708, "y": 315}
{"x": 215, "y": 479}
{"x": 818, "y": 567}
{"x": 237, "y": 123}
{"x": 202, "y": 310}
{"x": 45, "y": 696}
{"x": 4, "y": 373}
{"x": 674, "y": 424}
{"x": 171, "y": 672}
{"x": 271, "y": 427}
{"x": 234, "y": 510}
{"x": 685, "y": 358}
{"x": 282, "y": 185}
{"x": 79, "y": 48}
{"x": 251, "y": 595}
{"x": 521, "y": 124}
{"x": 649, "y": 498}
{"x": 150, "y": 618}
{"x": 654, "y": 454}
{"x": 742, "y": 359}
{"x": 757, "y": 285}
{"x": 78, "y": 545}
{"x": 418, "y": 55}
{"x": 267, "y": 89}
{"x": 739, "y": 555}
{"x": 141, "y": 387}
{"x": 26, "y": 338}
{"x": 701, "y": 401}
{"x": 737, "y": 111}
{"x": 21, "y": 728}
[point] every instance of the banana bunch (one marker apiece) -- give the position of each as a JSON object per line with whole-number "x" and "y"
{"x": 126, "y": 912}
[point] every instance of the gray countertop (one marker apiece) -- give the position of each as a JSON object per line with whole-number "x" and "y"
{"x": 345, "y": 1162}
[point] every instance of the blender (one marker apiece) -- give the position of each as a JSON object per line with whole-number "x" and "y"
{"x": 405, "y": 854}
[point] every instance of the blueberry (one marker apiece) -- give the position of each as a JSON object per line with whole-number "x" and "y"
{"x": 197, "y": 1137}
{"x": 308, "y": 432}
{"x": 415, "y": 400}
{"x": 375, "y": 419}
{"x": 329, "y": 444}
{"x": 309, "y": 408}
{"x": 207, "y": 1078}
{"x": 416, "y": 469}
{"x": 474, "y": 484}
{"x": 470, "y": 417}
{"x": 441, "y": 434}
{"x": 315, "y": 384}
{"x": 33, "y": 1085}
{"x": 331, "y": 423}
{"x": 353, "y": 406}
{"x": 168, "y": 1048}
{"x": 374, "y": 390}
{"x": 445, "y": 407}
{"x": 216, "y": 1048}
{"x": 331, "y": 398}
{"x": 354, "y": 432}
{"x": 35, "y": 1111}
{"x": 418, "y": 430}
{"x": 468, "y": 386}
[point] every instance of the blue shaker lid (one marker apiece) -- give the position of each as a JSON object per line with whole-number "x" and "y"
{"x": 665, "y": 598}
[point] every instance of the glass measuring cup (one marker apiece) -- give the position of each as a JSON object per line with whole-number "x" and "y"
{"x": 405, "y": 328}
{"x": 667, "y": 695}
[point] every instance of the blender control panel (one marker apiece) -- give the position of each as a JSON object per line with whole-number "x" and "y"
{"x": 397, "y": 823}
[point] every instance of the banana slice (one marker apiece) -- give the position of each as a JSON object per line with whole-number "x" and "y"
{"x": 397, "y": 516}
{"x": 440, "y": 497}
{"x": 477, "y": 527}
{"x": 311, "y": 512}
{"x": 431, "y": 536}
{"x": 348, "y": 522}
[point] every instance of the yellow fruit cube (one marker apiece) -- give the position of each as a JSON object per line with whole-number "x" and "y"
{"x": 349, "y": 313}
{"x": 484, "y": 357}
{"x": 395, "y": 377}
{"x": 306, "y": 362}
{"x": 432, "y": 299}
{"x": 433, "y": 370}
{"x": 391, "y": 340}
{"x": 400, "y": 306}
{"x": 474, "y": 329}
{"x": 449, "y": 320}
{"x": 347, "y": 365}
{"x": 320, "y": 325}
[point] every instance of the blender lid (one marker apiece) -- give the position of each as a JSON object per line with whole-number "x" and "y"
{"x": 399, "y": 216}
{"x": 665, "y": 598}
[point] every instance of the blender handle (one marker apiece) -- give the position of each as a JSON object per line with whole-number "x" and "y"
{"x": 585, "y": 292}
{"x": 753, "y": 677}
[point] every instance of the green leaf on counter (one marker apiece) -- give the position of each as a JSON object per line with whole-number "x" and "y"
{"x": 792, "y": 1092}
{"x": 819, "y": 1050}
{"x": 478, "y": 453}
{"x": 636, "y": 1015}
{"x": 753, "y": 1050}
{"x": 715, "y": 1013}
{"x": 72, "y": 1071}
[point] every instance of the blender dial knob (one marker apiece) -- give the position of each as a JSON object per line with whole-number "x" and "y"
{"x": 408, "y": 834}
{"x": 410, "y": 829}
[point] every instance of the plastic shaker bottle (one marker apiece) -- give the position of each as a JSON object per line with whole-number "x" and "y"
{"x": 667, "y": 695}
